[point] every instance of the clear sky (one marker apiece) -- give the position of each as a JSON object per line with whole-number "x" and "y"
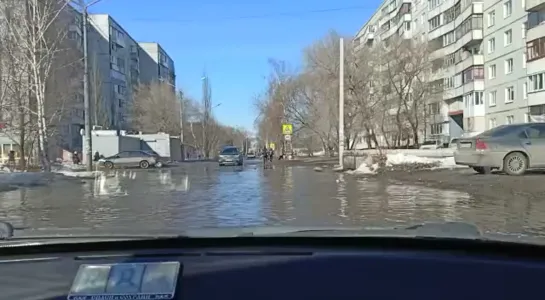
{"x": 233, "y": 39}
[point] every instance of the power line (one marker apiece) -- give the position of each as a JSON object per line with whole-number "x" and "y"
{"x": 249, "y": 17}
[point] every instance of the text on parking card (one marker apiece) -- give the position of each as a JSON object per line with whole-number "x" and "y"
{"x": 123, "y": 297}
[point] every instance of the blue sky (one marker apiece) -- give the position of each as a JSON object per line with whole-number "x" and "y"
{"x": 232, "y": 40}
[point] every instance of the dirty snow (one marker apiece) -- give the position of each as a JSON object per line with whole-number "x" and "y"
{"x": 77, "y": 171}
{"x": 398, "y": 159}
{"x": 402, "y": 158}
{"x": 367, "y": 167}
{"x": 80, "y": 174}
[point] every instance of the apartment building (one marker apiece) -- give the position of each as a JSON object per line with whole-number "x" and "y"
{"x": 490, "y": 57}
{"x": 535, "y": 62}
{"x": 156, "y": 64}
{"x": 506, "y": 86}
{"x": 114, "y": 61}
{"x": 394, "y": 18}
{"x": 455, "y": 33}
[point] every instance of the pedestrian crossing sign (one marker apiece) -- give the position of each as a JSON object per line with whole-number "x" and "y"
{"x": 287, "y": 129}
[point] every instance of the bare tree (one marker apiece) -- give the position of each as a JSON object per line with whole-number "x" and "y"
{"x": 409, "y": 69}
{"x": 39, "y": 29}
{"x": 209, "y": 126}
{"x": 14, "y": 91}
{"x": 155, "y": 109}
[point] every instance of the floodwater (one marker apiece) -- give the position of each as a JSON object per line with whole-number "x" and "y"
{"x": 205, "y": 195}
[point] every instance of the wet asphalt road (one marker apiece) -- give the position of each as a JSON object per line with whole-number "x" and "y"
{"x": 204, "y": 195}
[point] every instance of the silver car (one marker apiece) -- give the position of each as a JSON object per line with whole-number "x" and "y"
{"x": 512, "y": 149}
{"x": 230, "y": 156}
{"x": 142, "y": 159}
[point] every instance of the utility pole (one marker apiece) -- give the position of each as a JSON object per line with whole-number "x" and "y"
{"x": 341, "y": 103}
{"x": 86, "y": 100}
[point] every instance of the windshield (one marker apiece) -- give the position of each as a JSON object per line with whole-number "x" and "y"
{"x": 224, "y": 114}
{"x": 229, "y": 151}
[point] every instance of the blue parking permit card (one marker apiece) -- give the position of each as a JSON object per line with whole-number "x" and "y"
{"x": 152, "y": 280}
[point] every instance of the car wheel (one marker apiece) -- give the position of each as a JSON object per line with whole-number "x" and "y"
{"x": 158, "y": 164}
{"x": 144, "y": 164}
{"x": 482, "y": 170}
{"x": 109, "y": 165}
{"x": 515, "y": 163}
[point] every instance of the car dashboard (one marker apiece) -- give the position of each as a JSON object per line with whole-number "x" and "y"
{"x": 272, "y": 268}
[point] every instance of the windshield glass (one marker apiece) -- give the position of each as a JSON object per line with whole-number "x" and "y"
{"x": 200, "y": 115}
{"x": 229, "y": 151}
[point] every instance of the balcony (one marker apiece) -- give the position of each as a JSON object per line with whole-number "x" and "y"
{"x": 535, "y": 5}
{"x": 455, "y": 106}
{"x": 535, "y": 50}
{"x": 536, "y": 25}
{"x": 470, "y": 60}
{"x": 469, "y": 37}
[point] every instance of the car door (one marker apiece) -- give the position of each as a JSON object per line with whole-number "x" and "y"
{"x": 123, "y": 158}
{"x": 535, "y": 144}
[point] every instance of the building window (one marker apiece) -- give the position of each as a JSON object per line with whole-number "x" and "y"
{"x": 472, "y": 73}
{"x": 510, "y": 119}
{"x": 509, "y": 94}
{"x": 508, "y": 37}
{"x": 525, "y": 90}
{"x": 492, "y": 72}
{"x": 478, "y": 98}
{"x": 436, "y": 128}
{"x": 449, "y": 38}
{"x": 535, "y": 49}
{"x": 509, "y": 66}
{"x": 491, "y": 45}
{"x": 536, "y": 82}
{"x": 491, "y": 18}
{"x": 468, "y": 99}
{"x": 492, "y": 123}
{"x": 435, "y": 22}
{"x": 434, "y": 3}
{"x": 472, "y": 23}
{"x": 450, "y": 14}
{"x": 507, "y": 9}
{"x": 492, "y": 98}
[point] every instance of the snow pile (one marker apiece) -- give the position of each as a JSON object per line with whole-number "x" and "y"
{"x": 69, "y": 167}
{"x": 77, "y": 171}
{"x": 431, "y": 162}
{"x": 404, "y": 162}
{"x": 367, "y": 167}
{"x": 80, "y": 174}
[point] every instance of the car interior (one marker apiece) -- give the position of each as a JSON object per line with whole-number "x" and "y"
{"x": 272, "y": 268}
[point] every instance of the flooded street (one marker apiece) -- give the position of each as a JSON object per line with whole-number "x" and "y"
{"x": 204, "y": 195}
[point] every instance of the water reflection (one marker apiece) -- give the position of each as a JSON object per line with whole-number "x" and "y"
{"x": 203, "y": 195}
{"x": 118, "y": 182}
